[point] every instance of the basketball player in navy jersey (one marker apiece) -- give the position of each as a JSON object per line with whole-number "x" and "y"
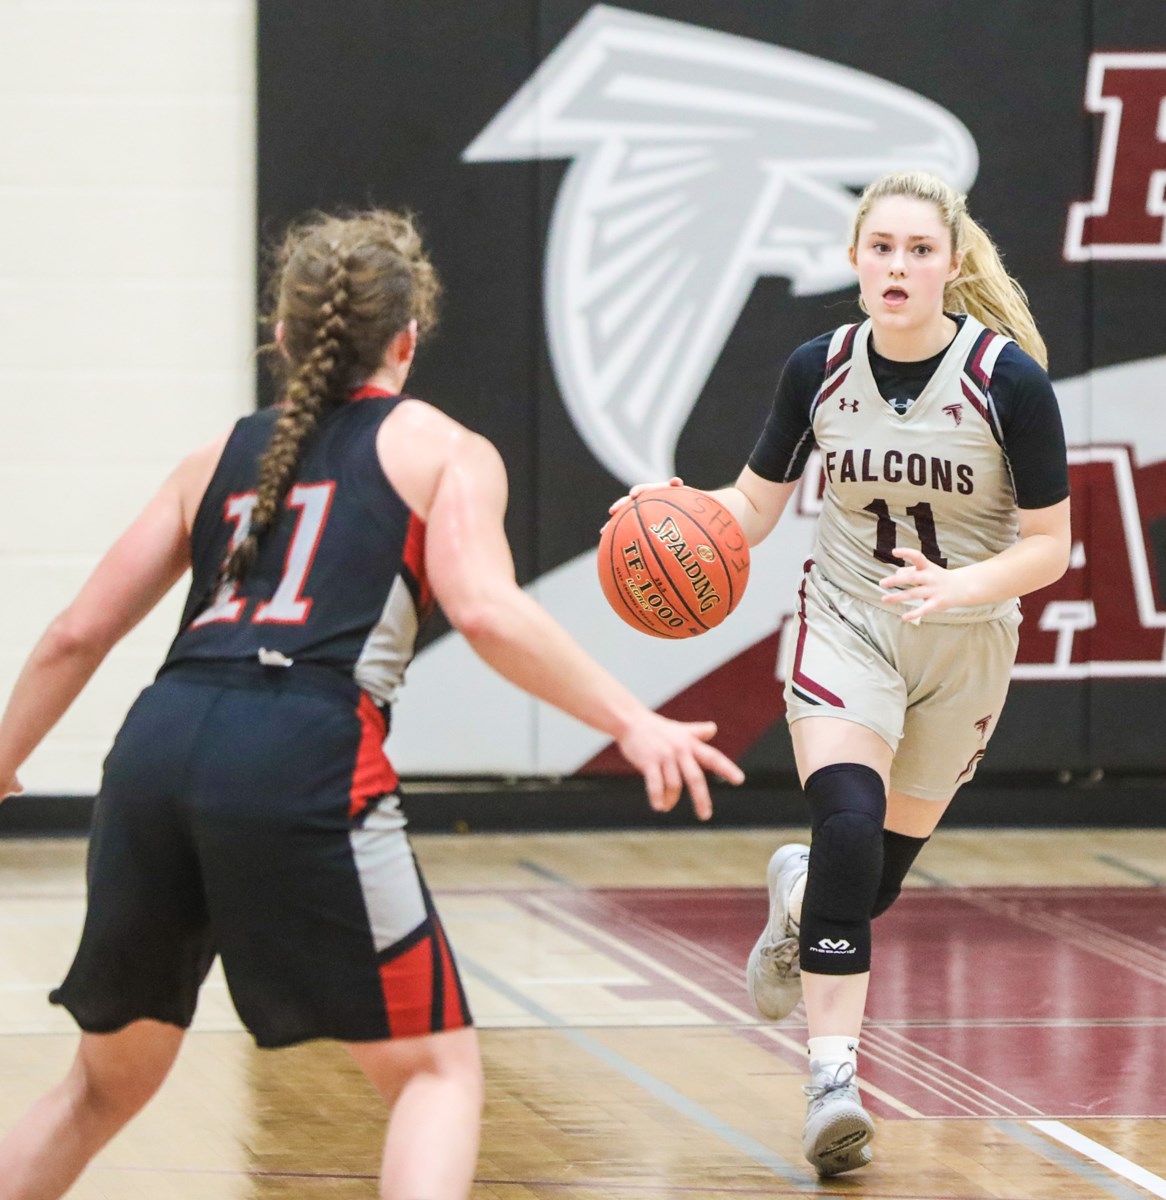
{"x": 945, "y": 500}
{"x": 247, "y": 808}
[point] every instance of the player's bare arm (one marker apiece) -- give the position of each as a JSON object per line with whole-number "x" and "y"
{"x": 471, "y": 570}
{"x": 757, "y": 503}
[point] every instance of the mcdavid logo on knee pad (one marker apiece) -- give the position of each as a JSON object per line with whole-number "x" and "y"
{"x": 833, "y": 946}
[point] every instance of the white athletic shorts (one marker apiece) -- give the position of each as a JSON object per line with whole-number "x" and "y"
{"x": 933, "y": 691}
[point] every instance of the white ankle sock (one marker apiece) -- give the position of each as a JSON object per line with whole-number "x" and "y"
{"x": 826, "y": 1052}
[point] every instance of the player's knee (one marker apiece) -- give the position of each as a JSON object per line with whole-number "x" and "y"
{"x": 847, "y": 809}
{"x": 452, "y": 1058}
{"x": 108, "y": 1093}
{"x": 889, "y": 892}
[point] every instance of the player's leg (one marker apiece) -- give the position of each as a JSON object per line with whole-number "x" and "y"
{"x": 325, "y": 925}
{"x": 844, "y": 767}
{"x": 433, "y": 1085}
{"x": 144, "y": 952}
{"x": 112, "y": 1077}
{"x": 844, "y": 702}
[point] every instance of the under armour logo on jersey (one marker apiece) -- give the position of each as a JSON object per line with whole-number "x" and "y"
{"x": 955, "y": 411}
{"x": 843, "y": 403}
{"x": 702, "y": 161}
{"x": 833, "y": 946}
{"x": 983, "y": 723}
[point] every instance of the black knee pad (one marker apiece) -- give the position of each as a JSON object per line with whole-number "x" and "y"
{"x": 848, "y": 805}
{"x": 899, "y": 852}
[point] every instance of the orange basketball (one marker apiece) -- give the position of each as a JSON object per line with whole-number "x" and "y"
{"x": 673, "y": 562}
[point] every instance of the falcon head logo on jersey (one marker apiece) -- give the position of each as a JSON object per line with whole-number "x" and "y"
{"x": 702, "y": 161}
{"x": 955, "y": 411}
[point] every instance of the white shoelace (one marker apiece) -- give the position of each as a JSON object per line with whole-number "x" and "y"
{"x": 843, "y": 1077}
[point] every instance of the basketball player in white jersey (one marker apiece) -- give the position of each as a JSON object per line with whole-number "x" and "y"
{"x": 945, "y": 500}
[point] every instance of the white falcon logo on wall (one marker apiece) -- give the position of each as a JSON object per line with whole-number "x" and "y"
{"x": 702, "y": 161}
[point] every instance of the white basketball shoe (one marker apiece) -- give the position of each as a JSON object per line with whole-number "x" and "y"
{"x": 837, "y": 1128}
{"x": 773, "y": 975}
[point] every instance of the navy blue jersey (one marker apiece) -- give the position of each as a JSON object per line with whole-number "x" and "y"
{"x": 339, "y": 579}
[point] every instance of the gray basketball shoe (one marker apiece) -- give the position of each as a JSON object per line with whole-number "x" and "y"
{"x": 838, "y": 1128}
{"x": 773, "y": 975}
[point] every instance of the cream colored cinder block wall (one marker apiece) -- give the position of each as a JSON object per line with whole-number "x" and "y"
{"x": 126, "y": 304}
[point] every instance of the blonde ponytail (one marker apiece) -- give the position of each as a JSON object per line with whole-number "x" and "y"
{"x": 986, "y": 290}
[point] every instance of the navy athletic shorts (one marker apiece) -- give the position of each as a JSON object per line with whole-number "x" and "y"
{"x": 250, "y": 812}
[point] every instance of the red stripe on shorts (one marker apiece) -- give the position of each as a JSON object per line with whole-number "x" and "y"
{"x": 799, "y": 677}
{"x": 407, "y": 984}
{"x": 453, "y": 1016}
{"x": 372, "y": 775}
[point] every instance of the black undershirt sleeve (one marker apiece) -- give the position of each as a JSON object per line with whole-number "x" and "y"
{"x": 788, "y": 437}
{"x": 1034, "y": 437}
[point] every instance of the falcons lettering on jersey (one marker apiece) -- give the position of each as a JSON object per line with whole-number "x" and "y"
{"x": 1127, "y": 216}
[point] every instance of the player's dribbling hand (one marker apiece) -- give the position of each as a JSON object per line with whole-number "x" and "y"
{"x": 636, "y": 489}
{"x": 673, "y": 755}
{"x": 925, "y": 585}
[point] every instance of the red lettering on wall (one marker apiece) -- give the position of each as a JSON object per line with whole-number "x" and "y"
{"x": 1127, "y": 216}
{"x": 1104, "y": 616}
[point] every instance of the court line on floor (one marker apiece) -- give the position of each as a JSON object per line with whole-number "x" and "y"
{"x": 536, "y": 868}
{"x": 1110, "y": 1159}
{"x": 1067, "y": 1161}
{"x": 676, "y": 1100}
{"x": 944, "y": 1076}
{"x": 1133, "y": 954}
{"x": 589, "y": 929}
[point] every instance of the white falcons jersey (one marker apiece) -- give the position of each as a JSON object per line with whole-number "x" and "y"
{"x": 934, "y": 479}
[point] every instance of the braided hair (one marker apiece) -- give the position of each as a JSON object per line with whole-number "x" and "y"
{"x": 343, "y": 287}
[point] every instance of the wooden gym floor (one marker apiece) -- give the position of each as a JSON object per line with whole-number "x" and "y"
{"x": 1016, "y": 1045}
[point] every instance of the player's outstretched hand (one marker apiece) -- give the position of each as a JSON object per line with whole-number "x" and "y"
{"x": 673, "y": 755}
{"x": 636, "y": 489}
{"x": 924, "y": 585}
